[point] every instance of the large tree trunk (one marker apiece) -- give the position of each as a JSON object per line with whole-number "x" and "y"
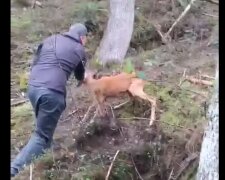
{"x": 117, "y": 35}
{"x": 209, "y": 158}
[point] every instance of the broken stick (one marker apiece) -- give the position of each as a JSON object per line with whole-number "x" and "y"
{"x": 185, "y": 164}
{"x": 179, "y": 18}
{"x": 195, "y": 80}
{"x": 38, "y": 3}
{"x": 19, "y": 102}
{"x": 213, "y": 1}
{"x": 158, "y": 29}
{"x": 120, "y": 105}
{"x": 87, "y": 113}
{"x": 136, "y": 168}
{"x": 111, "y": 165}
{"x": 198, "y": 81}
{"x": 207, "y": 76}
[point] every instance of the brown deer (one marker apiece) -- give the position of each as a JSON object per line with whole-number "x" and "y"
{"x": 111, "y": 86}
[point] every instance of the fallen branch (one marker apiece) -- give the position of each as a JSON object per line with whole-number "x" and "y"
{"x": 152, "y": 118}
{"x": 182, "y": 79}
{"x": 20, "y": 135}
{"x": 112, "y": 111}
{"x": 158, "y": 29}
{"x": 179, "y": 18}
{"x": 38, "y": 3}
{"x": 132, "y": 159}
{"x": 213, "y": 1}
{"x": 31, "y": 172}
{"x": 171, "y": 173}
{"x": 19, "y": 102}
{"x": 111, "y": 165}
{"x": 207, "y": 76}
{"x": 195, "y": 80}
{"x": 87, "y": 113}
{"x": 166, "y": 37}
{"x": 72, "y": 113}
{"x": 54, "y": 161}
{"x": 138, "y": 118}
{"x": 120, "y": 105}
{"x": 198, "y": 93}
{"x": 210, "y": 15}
{"x": 69, "y": 115}
{"x": 93, "y": 118}
{"x": 185, "y": 164}
{"x": 33, "y": 4}
{"x": 198, "y": 81}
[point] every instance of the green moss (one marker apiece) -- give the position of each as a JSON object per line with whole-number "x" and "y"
{"x": 25, "y": 56}
{"x": 34, "y": 37}
{"x": 126, "y": 114}
{"x": 178, "y": 106}
{"x": 121, "y": 171}
{"x": 46, "y": 160}
{"x": 22, "y": 124}
{"x": 24, "y": 110}
{"x": 151, "y": 89}
{"x": 89, "y": 172}
{"x": 179, "y": 109}
{"x": 23, "y": 81}
{"x": 190, "y": 174}
{"x": 95, "y": 64}
{"x": 21, "y": 119}
{"x": 170, "y": 117}
{"x": 21, "y": 23}
{"x": 128, "y": 67}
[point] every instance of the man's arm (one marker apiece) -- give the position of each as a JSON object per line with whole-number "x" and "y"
{"x": 80, "y": 69}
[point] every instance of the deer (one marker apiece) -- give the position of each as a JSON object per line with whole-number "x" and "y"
{"x": 114, "y": 85}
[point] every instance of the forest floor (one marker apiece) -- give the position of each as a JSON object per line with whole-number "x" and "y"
{"x": 84, "y": 151}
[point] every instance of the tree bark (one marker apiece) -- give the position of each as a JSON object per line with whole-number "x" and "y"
{"x": 117, "y": 36}
{"x": 209, "y": 157}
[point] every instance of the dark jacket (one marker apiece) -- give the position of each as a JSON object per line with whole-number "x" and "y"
{"x": 56, "y": 58}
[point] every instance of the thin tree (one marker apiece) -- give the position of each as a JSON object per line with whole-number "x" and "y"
{"x": 209, "y": 156}
{"x": 118, "y": 33}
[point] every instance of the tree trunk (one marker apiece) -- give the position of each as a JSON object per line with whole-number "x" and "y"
{"x": 118, "y": 33}
{"x": 209, "y": 158}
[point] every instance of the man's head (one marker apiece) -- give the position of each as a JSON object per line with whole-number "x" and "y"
{"x": 79, "y": 30}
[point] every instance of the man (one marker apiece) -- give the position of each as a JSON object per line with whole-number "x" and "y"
{"x": 56, "y": 58}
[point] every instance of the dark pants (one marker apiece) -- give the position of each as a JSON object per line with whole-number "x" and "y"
{"x": 48, "y": 106}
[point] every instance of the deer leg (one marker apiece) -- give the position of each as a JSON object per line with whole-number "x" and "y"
{"x": 100, "y": 101}
{"x": 152, "y": 100}
{"x": 153, "y": 110}
{"x": 101, "y": 108}
{"x": 132, "y": 99}
{"x": 141, "y": 94}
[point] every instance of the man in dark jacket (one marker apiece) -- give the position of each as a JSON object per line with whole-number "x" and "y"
{"x": 56, "y": 58}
